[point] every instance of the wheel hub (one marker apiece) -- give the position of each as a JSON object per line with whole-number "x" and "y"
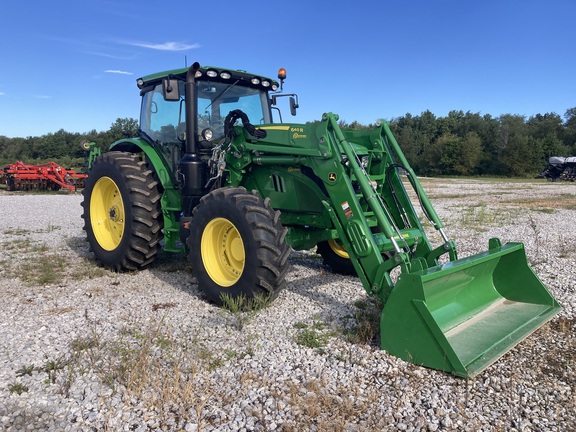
{"x": 223, "y": 252}
{"x": 107, "y": 214}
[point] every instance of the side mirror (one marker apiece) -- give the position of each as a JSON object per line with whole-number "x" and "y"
{"x": 293, "y": 106}
{"x": 170, "y": 90}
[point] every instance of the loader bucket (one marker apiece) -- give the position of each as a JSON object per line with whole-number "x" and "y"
{"x": 462, "y": 316}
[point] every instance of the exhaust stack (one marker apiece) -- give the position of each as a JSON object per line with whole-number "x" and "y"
{"x": 191, "y": 168}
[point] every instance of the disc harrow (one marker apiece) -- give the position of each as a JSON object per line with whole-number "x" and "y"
{"x": 46, "y": 176}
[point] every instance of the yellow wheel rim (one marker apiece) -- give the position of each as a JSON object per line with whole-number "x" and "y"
{"x": 107, "y": 214}
{"x": 338, "y": 249}
{"x": 222, "y": 252}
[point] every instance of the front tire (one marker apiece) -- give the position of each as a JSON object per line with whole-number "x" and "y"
{"x": 237, "y": 246}
{"x": 122, "y": 212}
{"x": 335, "y": 256}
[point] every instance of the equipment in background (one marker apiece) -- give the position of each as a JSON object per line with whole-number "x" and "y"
{"x": 47, "y": 176}
{"x": 560, "y": 168}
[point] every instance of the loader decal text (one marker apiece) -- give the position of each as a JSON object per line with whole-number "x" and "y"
{"x": 347, "y": 210}
{"x": 297, "y": 132}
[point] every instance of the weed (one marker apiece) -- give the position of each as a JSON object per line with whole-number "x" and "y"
{"x": 300, "y": 325}
{"x": 17, "y": 388}
{"x": 311, "y": 338}
{"x": 84, "y": 343}
{"x": 318, "y": 325}
{"x": 52, "y": 367}
{"x": 163, "y": 342}
{"x": 367, "y": 322}
{"x": 230, "y": 354}
{"x": 537, "y": 241}
{"x": 243, "y": 308}
{"x": 25, "y": 370}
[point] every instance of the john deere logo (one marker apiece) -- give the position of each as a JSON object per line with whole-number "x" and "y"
{"x": 332, "y": 177}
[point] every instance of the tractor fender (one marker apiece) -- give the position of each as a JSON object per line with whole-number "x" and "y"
{"x": 140, "y": 145}
{"x": 171, "y": 198}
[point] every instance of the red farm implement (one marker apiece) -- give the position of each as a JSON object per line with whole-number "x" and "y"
{"x": 46, "y": 176}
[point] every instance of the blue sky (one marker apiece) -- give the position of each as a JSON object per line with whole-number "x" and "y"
{"x": 73, "y": 65}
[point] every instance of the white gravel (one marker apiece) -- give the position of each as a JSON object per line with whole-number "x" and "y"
{"x": 84, "y": 349}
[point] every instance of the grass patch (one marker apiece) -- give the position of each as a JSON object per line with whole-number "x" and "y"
{"x": 479, "y": 217}
{"x": 34, "y": 263}
{"x": 17, "y": 231}
{"x": 144, "y": 362}
{"x": 560, "y": 201}
{"x": 44, "y": 270}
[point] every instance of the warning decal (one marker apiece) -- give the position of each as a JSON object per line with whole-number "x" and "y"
{"x": 347, "y": 210}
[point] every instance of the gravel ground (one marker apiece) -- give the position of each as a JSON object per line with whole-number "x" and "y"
{"x": 84, "y": 349}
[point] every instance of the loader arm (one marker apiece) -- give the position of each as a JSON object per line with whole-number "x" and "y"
{"x": 371, "y": 209}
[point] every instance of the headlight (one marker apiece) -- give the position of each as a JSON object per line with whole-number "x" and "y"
{"x": 212, "y": 73}
{"x": 207, "y": 134}
{"x": 266, "y": 83}
{"x": 225, "y": 75}
{"x": 255, "y": 81}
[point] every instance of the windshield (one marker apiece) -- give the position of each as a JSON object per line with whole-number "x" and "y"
{"x": 164, "y": 120}
{"x": 216, "y": 100}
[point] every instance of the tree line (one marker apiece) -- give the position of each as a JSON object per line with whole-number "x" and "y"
{"x": 459, "y": 144}
{"x": 471, "y": 144}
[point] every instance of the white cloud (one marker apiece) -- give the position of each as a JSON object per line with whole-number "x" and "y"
{"x": 42, "y": 97}
{"x": 120, "y": 72}
{"x": 166, "y": 46}
{"x": 112, "y": 56}
{"x": 2, "y": 93}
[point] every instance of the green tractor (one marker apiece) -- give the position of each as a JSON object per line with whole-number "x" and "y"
{"x": 212, "y": 175}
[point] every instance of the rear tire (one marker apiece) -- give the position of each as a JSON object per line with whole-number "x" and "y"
{"x": 237, "y": 246}
{"x": 122, "y": 212}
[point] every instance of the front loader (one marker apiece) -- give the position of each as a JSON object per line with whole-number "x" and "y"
{"x": 213, "y": 175}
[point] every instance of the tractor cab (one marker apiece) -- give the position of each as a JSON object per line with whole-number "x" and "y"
{"x": 217, "y": 93}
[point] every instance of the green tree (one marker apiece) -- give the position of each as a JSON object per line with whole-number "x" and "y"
{"x": 570, "y": 130}
{"x": 123, "y": 128}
